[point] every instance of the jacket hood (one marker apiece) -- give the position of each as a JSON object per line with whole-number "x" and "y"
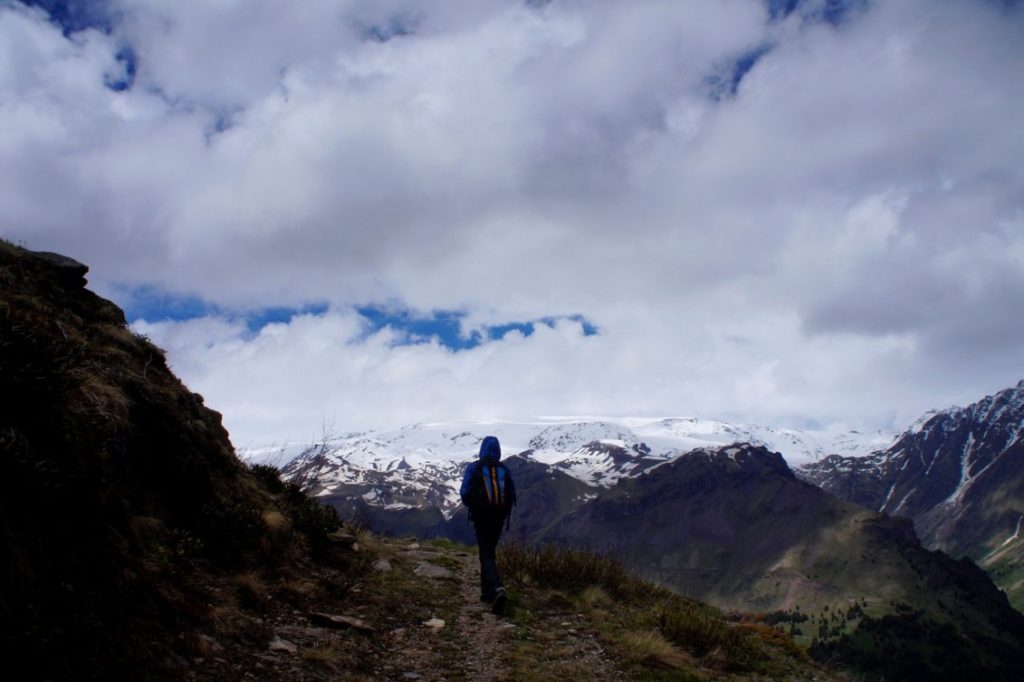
{"x": 490, "y": 450}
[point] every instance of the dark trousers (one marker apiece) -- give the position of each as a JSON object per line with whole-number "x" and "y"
{"x": 487, "y": 533}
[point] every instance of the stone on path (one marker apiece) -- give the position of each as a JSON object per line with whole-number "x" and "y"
{"x": 278, "y": 644}
{"x": 301, "y": 633}
{"x": 382, "y": 565}
{"x": 425, "y": 569}
{"x": 434, "y": 623}
{"x": 339, "y": 622}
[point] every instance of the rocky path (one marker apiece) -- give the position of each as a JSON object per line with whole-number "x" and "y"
{"x": 461, "y": 639}
{"x": 415, "y": 615}
{"x": 532, "y": 641}
{"x": 486, "y": 637}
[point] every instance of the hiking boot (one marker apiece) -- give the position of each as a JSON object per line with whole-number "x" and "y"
{"x": 500, "y": 598}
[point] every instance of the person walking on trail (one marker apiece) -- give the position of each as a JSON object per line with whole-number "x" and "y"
{"x": 489, "y": 493}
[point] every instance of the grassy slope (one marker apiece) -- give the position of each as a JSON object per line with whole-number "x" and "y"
{"x": 125, "y": 516}
{"x": 757, "y": 540}
{"x": 652, "y": 632}
{"x": 1006, "y": 566}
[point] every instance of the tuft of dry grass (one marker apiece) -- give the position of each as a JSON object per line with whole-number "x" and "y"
{"x": 595, "y": 597}
{"x": 327, "y": 655}
{"x": 650, "y": 647}
{"x": 250, "y": 590}
{"x": 572, "y": 570}
{"x": 703, "y": 630}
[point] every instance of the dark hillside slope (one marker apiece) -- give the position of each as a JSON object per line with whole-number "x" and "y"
{"x": 734, "y": 527}
{"x": 119, "y": 490}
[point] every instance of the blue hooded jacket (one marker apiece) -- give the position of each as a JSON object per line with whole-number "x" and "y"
{"x": 490, "y": 453}
{"x": 490, "y": 450}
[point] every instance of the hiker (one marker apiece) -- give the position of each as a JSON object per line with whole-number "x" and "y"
{"x": 487, "y": 490}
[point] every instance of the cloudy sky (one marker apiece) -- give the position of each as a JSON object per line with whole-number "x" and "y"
{"x": 803, "y": 213}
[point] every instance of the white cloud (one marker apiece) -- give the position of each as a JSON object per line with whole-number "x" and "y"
{"x": 840, "y": 239}
{"x": 288, "y": 380}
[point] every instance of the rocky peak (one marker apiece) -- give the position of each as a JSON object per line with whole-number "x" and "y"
{"x": 958, "y": 473}
{"x": 569, "y": 437}
{"x": 738, "y": 458}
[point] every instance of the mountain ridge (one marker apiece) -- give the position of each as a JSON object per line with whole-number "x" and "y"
{"x": 421, "y": 465}
{"x": 958, "y": 474}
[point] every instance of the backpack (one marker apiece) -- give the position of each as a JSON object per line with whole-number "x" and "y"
{"x": 491, "y": 490}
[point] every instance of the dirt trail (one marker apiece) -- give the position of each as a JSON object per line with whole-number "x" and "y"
{"x": 401, "y": 601}
{"x": 535, "y": 640}
{"x": 472, "y": 643}
{"x": 485, "y": 637}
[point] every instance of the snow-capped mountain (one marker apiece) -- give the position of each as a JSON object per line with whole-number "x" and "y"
{"x": 420, "y": 466}
{"x": 938, "y": 461}
{"x": 958, "y": 473}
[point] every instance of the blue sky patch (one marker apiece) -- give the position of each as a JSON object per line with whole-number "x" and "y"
{"x": 156, "y": 305}
{"x": 72, "y": 16}
{"x": 780, "y": 9}
{"x": 726, "y": 82}
{"x": 127, "y": 61}
{"x": 394, "y": 27}
{"x": 833, "y": 12}
{"x": 76, "y": 15}
{"x": 153, "y": 304}
{"x": 836, "y": 12}
{"x": 259, "y": 319}
{"x": 446, "y": 326}
{"x": 527, "y": 328}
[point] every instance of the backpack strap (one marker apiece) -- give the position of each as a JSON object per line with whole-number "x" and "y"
{"x": 499, "y": 485}
{"x": 485, "y": 473}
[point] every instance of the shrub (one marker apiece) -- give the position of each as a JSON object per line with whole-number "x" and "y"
{"x": 309, "y": 517}
{"x": 269, "y": 477}
{"x": 650, "y": 647}
{"x": 305, "y": 513}
{"x": 571, "y": 570}
{"x": 702, "y": 630}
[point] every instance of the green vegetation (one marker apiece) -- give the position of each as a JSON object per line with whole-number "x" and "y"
{"x": 659, "y": 632}
{"x": 1006, "y": 566}
{"x": 571, "y": 570}
{"x": 911, "y": 645}
{"x": 307, "y": 515}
